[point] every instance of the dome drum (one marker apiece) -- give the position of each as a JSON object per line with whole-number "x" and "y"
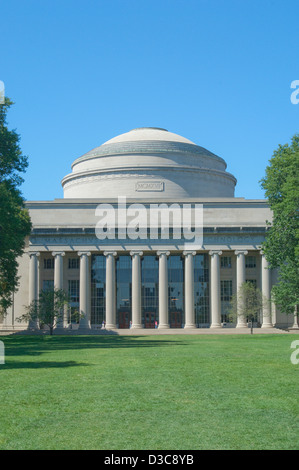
{"x": 149, "y": 163}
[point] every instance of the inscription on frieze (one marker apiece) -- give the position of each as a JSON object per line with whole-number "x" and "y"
{"x": 149, "y": 186}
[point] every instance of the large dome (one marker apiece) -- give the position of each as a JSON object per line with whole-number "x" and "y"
{"x": 148, "y": 163}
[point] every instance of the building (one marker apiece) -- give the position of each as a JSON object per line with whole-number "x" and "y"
{"x": 147, "y": 274}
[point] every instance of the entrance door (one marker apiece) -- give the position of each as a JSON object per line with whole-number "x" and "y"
{"x": 123, "y": 320}
{"x": 175, "y": 319}
{"x": 149, "y": 319}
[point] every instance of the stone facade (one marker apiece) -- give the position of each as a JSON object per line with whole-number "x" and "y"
{"x": 145, "y": 282}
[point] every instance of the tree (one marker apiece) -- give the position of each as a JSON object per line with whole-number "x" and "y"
{"x": 247, "y": 303}
{"x": 15, "y": 222}
{"x": 281, "y": 247}
{"x": 47, "y": 310}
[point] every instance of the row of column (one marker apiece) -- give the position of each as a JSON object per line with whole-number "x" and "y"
{"x": 163, "y": 286}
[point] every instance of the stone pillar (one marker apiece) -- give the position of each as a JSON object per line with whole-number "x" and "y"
{"x": 266, "y": 291}
{"x": 163, "y": 289}
{"x": 136, "y": 288}
{"x": 295, "y": 323}
{"x": 189, "y": 289}
{"x": 84, "y": 289}
{"x": 215, "y": 289}
{"x": 58, "y": 269}
{"x": 58, "y": 279}
{"x": 241, "y": 278}
{"x": 33, "y": 282}
{"x": 110, "y": 289}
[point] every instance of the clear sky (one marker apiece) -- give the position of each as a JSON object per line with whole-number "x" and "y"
{"x": 83, "y": 71}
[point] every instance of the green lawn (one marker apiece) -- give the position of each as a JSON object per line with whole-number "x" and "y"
{"x": 183, "y": 392}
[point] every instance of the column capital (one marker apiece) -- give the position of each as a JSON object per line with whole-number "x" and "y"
{"x": 163, "y": 252}
{"x": 189, "y": 252}
{"x": 81, "y": 253}
{"x": 215, "y": 252}
{"x": 33, "y": 253}
{"x": 55, "y": 253}
{"x": 107, "y": 253}
{"x": 136, "y": 252}
{"x": 241, "y": 252}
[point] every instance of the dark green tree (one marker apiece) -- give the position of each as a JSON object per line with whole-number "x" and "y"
{"x": 15, "y": 222}
{"x": 281, "y": 247}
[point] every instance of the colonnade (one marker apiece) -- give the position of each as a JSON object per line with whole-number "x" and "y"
{"x": 215, "y": 295}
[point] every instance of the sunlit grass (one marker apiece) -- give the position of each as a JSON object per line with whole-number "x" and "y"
{"x": 149, "y": 392}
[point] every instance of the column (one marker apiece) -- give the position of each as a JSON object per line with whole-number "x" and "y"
{"x": 295, "y": 324}
{"x": 84, "y": 289}
{"x": 215, "y": 289}
{"x": 136, "y": 288}
{"x": 163, "y": 289}
{"x": 189, "y": 289}
{"x": 241, "y": 278}
{"x": 33, "y": 282}
{"x": 58, "y": 279}
{"x": 110, "y": 289}
{"x": 266, "y": 291}
{"x": 58, "y": 269}
{"x": 33, "y": 276}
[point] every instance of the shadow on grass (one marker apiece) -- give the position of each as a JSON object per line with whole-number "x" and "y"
{"x": 37, "y": 345}
{"x": 41, "y": 365}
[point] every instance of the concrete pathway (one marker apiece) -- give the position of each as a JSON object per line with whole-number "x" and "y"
{"x": 149, "y": 331}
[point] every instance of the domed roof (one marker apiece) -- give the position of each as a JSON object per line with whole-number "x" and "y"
{"x": 148, "y": 163}
{"x": 146, "y": 140}
{"x": 148, "y": 133}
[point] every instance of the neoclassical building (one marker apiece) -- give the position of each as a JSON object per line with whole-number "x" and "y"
{"x": 124, "y": 273}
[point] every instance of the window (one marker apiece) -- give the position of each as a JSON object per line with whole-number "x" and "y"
{"x": 250, "y": 262}
{"x": 226, "y": 261}
{"x": 226, "y": 297}
{"x": 201, "y": 289}
{"x": 98, "y": 289}
{"x": 149, "y": 290}
{"x": 48, "y": 263}
{"x": 226, "y": 290}
{"x": 74, "y": 295}
{"x": 123, "y": 267}
{"x": 74, "y": 291}
{"x": 48, "y": 285}
{"x": 74, "y": 263}
{"x": 176, "y": 291}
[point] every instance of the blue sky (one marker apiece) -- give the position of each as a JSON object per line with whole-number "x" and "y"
{"x": 216, "y": 72}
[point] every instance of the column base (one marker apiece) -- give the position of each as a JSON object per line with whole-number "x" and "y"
{"x": 110, "y": 326}
{"x": 267, "y": 325}
{"x": 163, "y": 326}
{"x": 136, "y": 327}
{"x": 216, "y": 325}
{"x": 190, "y": 326}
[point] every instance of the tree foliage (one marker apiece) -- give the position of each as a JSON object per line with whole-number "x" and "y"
{"x": 47, "y": 309}
{"x": 281, "y": 247}
{"x": 15, "y": 222}
{"x": 247, "y": 303}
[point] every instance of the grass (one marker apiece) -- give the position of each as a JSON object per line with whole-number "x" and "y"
{"x": 183, "y": 392}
